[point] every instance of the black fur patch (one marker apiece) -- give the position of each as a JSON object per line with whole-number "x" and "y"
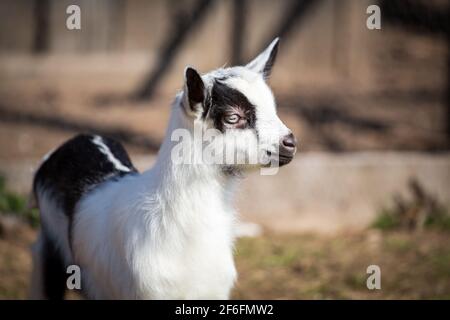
{"x": 222, "y": 100}
{"x": 53, "y": 271}
{"x": 77, "y": 167}
{"x": 195, "y": 86}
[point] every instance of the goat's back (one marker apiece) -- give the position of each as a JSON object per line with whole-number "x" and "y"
{"x": 76, "y": 168}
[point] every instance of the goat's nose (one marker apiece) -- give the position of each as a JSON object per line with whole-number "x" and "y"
{"x": 289, "y": 143}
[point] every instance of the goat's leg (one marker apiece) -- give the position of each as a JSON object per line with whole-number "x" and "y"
{"x": 48, "y": 278}
{"x": 37, "y": 285}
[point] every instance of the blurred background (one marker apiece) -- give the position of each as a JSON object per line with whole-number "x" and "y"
{"x": 370, "y": 108}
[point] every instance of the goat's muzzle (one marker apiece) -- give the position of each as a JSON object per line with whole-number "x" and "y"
{"x": 288, "y": 148}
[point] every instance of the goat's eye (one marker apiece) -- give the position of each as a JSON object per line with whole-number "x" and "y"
{"x": 232, "y": 119}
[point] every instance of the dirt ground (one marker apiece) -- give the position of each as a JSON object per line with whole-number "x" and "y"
{"x": 307, "y": 266}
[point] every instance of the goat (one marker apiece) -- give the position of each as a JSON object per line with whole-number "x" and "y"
{"x": 166, "y": 233}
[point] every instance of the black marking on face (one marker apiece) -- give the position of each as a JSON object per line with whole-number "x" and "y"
{"x": 77, "y": 167}
{"x": 226, "y": 103}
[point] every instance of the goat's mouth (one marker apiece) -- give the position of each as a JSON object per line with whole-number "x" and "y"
{"x": 277, "y": 159}
{"x": 284, "y": 159}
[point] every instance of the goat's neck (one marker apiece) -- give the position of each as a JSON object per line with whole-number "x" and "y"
{"x": 190, "y": 189}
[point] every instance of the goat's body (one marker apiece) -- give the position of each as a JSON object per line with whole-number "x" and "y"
{"x": 163, "y": 234}
{"x": 166, "y": 233}
{"x": 154, "y": 246}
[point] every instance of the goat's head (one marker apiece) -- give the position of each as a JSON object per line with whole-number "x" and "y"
{"x": 238, "y": 104}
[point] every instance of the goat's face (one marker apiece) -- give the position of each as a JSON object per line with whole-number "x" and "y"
{"x": 237, "y": 104}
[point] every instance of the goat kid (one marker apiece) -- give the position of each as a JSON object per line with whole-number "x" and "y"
{"x": 166, "y": 233}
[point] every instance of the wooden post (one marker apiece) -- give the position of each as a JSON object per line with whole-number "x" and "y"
{"x": 41, "y": 40}
{"x": 238, "y": 28}
{"x": 171, "y": 47}
{"x": 448, "y": 97}
{"x": 290, "y": 18}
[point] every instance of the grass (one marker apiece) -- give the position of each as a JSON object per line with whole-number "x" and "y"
{"x": 440, "y": 220}
{"x": 15, "y": 204}
{"x": 414, "y": 266}
{"x": 390, "y": 219}
{"x": 386, "y": 220}
{"x": 421, "y": 210}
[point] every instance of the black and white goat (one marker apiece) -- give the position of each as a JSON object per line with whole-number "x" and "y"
{"x": 166, "y": 233}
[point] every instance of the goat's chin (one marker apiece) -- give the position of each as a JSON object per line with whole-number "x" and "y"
{"x": 277, "y": 162}
{"x": 239, "y": 170}
{"x": 233, "y": 171}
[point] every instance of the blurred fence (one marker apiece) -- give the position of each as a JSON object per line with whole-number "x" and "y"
{"x": 324, "y": 37}
{"x": 326, "y": 51}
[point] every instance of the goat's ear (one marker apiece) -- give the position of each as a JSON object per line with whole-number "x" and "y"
{"x": 194, "y": 89}
{"x": 263, "y": 63}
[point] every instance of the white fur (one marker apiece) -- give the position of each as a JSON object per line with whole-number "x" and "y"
{"x": 257, "y": 65}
